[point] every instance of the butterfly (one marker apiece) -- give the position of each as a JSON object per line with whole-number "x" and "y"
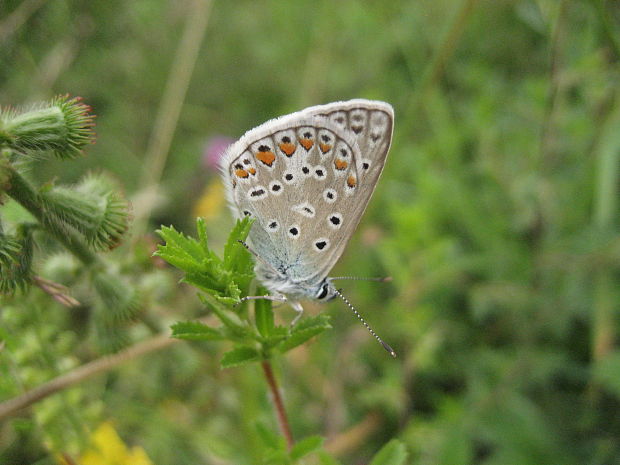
{"x": 306, "y": 179}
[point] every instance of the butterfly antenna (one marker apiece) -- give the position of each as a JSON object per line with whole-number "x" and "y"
{"x": 383, "y": 279}
{"x": 381, "y": 341}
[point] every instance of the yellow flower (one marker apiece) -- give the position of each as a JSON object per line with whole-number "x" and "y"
{"x": 211, "y": 202}
{"x": 107, "y": 448}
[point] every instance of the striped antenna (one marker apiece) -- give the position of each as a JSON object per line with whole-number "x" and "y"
{"x": 383, "y": 279}
{"x": 381, "y": 341}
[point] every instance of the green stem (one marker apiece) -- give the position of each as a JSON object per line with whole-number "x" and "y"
{"x": 605, "y": 208}
{"x": 88, "y": 370}
{"x": 23, "y": 193}
{"x": 170, "y": 109}
{"x": 441, "y": 57}
{"x": 608, "y": 27}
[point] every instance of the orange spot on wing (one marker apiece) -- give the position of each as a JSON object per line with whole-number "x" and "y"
{"x": 288, "y": 148}
{"x": 340, "y": 164}
{"x": 242, "y": 173}
{"x": 252, "y": 171}
{"x": 306, "y": 143}
{"x": 325, "y": 147}
{"x": 266, "y": 157}
{"x": 351, "y": 182}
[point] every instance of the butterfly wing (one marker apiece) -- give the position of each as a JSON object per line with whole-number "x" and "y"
{"x": 307, "y": 178}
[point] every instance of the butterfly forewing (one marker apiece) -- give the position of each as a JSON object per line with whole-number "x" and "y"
{"x": 307, "y": 178}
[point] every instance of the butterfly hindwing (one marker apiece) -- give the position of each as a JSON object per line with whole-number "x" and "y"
{"x": 307, "y": 178}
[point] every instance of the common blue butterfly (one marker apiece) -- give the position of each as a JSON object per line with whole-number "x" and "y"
{"x": 306, "y": 178}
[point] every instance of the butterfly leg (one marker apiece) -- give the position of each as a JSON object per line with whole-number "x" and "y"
{"x": 273, "y": 298}
{"x": 299, "y": 309}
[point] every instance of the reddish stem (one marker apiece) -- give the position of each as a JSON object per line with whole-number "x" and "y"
{"x": 277, "y": 400}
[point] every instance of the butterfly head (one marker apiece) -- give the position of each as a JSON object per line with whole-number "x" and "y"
{"x": 326, "y": 291}
{"x": 281, "y": 283}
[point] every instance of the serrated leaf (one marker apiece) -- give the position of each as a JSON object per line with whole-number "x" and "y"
{"x": 228, "y": 301}
{"x": 263, "y": 311}
{"x": 393, "y": 453}
{"x": 195, "y": 331}
{"x": 201, "y": 230}
{"x": 240, "y": 356}
{"x": 306, "y": 446}
{"x": 236, "y": 258}
{"x": 278, "y": 334}
{"x": 321, "y": 319}
{"x": 178, "y": 246}
{"x": 205, "y": 270}
{"x": 298, "y": 338}
{"x": 304, "y": 331}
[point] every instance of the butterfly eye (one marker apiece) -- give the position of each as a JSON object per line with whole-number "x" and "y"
{"x": 323, "y": 292}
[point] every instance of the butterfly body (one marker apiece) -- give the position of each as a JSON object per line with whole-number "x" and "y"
{"x": 306, "y": 179}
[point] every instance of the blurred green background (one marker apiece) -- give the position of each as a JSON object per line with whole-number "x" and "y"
{"x": 496, "y": 215}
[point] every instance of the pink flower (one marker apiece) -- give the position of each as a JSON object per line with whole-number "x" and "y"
{"x": 214, "y": 149}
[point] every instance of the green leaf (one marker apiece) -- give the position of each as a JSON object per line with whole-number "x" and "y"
{"x": 326, "y": 459}
{"x": 240, "y": 356}
{"x": 305, "y": 329}
{"x": 393, "y": 453}
{"x": 224, "y": 280}
{"x": 269, "y": 438}
{"x": 278, "y": 334}
{"x": 264, "y": 317}
{"x": 195, "y": 331}
{"x": 276, "y": 457}
{"x": 228, "y": 301}
{"x": 178, "y": 250}
{"x": 306, "y": 446}
{"x": 236, "y": 258}
{"x": 230, "y": 319}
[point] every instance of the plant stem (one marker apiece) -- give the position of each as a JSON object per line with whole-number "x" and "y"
{"x": 81, "y": 373}
{"x": 442, "y": 55}
{"x": 605, "y": 207}
{"x": 279, "y": 405}
{"x": 24, "y": 194}
{"x": 170, "y": 109}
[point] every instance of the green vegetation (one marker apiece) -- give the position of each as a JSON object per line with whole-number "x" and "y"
{"x": 496, "y": 216}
